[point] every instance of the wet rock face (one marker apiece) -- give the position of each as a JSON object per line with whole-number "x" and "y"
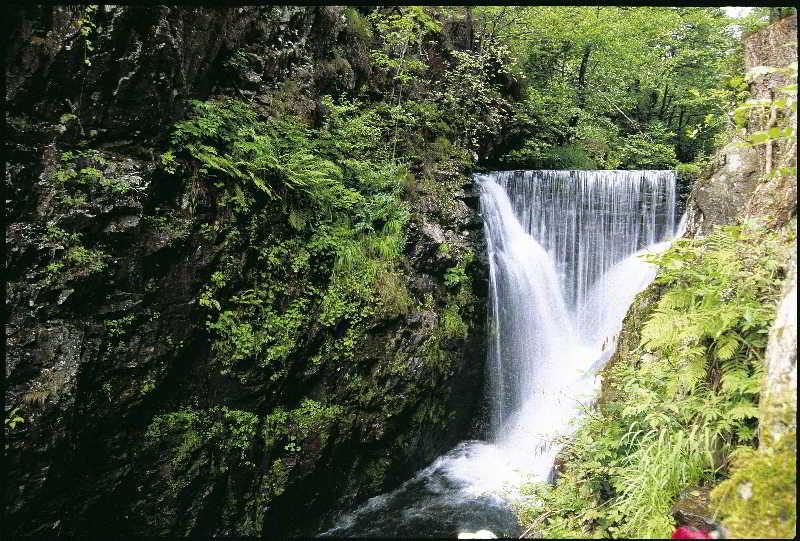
{"x": 107, "y": 258}
{"x": 142, "y": 64}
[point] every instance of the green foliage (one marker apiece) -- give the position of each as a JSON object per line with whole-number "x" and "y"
{"x": 87, "y": 27}
{"x": 648, "y": 150}
{"x": 228, "y": 433}
{"x": 775, "y": 119}
{"x": 119, "y": 327}
{"x": 679, "y": 404}
{"x": 453, "y": 325}
{"x": 83, "y": 173}
{"x": 12, "y": 419}
{"x": 174, "y": 227}
{"x": 760, "y": 17}
{"x": 608, "y": 79}
{"x": 460, "y": 302}
{"x": 568, "y": 157}
{"x": 688, "y": 169}
{"x": 89, "y": 261}
{"x": 357, "y": 24}
{"x": 471, "y": 95}
{"x": 400, "y": 32}
{"x": 248, "y": 156}
{"x": 235, "y": 436}
{"x": 334, "y": 258}
{"x": 70, "y": 258}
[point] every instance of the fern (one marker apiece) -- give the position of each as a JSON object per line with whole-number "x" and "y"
{"x": 675, "y": 417}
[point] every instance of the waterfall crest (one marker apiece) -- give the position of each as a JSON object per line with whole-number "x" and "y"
{"x": 565, "y": 263}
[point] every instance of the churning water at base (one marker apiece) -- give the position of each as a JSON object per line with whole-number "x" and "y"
{"x": 564, "y": 251}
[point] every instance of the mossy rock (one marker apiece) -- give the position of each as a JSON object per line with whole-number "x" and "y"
{"x": 694, "y": 509}
{"x": 629, "y": 336}
{"x": 760, "y": 498}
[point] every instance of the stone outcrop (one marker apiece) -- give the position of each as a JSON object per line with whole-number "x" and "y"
{"x": 745, "y": 181}
{"x": 780, "y": 386}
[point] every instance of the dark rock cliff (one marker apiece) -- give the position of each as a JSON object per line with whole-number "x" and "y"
{"x": 106, "y": 331}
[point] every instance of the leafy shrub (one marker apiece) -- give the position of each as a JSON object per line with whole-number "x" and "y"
{"x": 342, "y": 233}
{"x": 568, "y": 157}
{"x": 651, "y": 149}
{"x": 230, "y": 142}
{"x": 688, "y": 169}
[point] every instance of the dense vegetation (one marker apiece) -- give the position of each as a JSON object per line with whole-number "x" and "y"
{"x": 617, "y": 87}
{"x": 267, "y": 285}
{"x": 676, "y": 405}
{"x": 682, "y": 423}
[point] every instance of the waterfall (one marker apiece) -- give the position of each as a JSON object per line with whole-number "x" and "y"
{"x": 565, "y": 261}
{"x": 564, "y": 252}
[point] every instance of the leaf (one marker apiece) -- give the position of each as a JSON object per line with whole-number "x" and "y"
{"x": 726, "y": 347}
{"x": 744, "y": 410}
{"x": 758, "y": 138}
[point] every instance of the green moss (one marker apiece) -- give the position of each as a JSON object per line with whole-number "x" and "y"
{"x": 759, "y": 499}
{"x": 453, "y": 326}
{"x": 629, "y": 337}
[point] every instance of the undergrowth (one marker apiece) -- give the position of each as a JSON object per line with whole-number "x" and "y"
{"x": 680, "y": 403}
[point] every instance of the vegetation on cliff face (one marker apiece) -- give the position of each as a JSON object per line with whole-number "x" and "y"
{"x": 245, "y": 260}
{"x": 323, "y": 215}
{"x": 275, "y": 290}
{"x": 683, "y": 410}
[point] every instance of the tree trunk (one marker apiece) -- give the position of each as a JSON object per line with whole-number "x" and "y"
{"x": 580, "y": 90}
{"x": 664, "y": 101}
{"x": 671, "y": 109}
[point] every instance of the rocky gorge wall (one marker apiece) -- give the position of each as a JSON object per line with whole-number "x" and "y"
{"x": 133, "y": 421}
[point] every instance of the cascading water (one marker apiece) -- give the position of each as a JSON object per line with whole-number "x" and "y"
{"x": 564, "y": 250}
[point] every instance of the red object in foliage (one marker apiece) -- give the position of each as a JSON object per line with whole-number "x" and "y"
{"x": 687, "y": 532}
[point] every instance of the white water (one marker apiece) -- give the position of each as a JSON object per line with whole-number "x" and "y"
{"x": 565, "y": 253}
